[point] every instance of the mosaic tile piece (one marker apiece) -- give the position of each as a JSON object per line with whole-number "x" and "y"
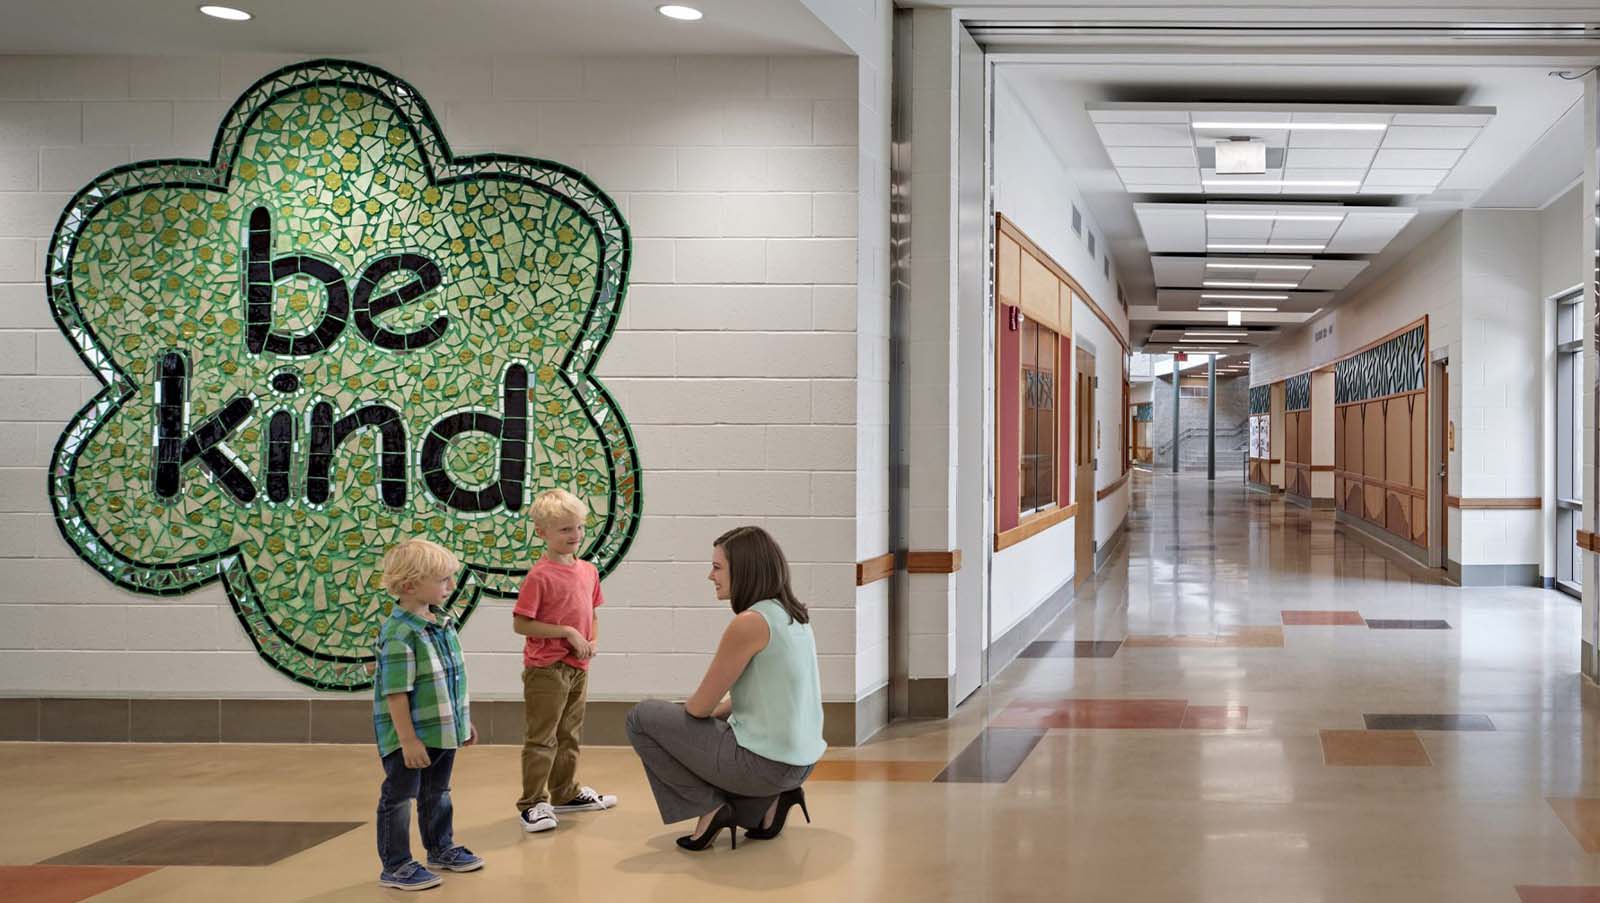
{"x": 333, "y": 334}
{"x": 63, "y": 883}
{"x": 182, "y": 842}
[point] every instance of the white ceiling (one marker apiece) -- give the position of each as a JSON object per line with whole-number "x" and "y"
{"x": 1060, "y": 88}
{"x": 1360, "y": 149}
{"x": 1269, "y": 228}
{"x": 564, "y": 27}
{"x": 1244, "y": 274}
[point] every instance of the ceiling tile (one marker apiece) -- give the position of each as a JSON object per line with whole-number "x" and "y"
{"x": 1158, "y": 175}
{"x": 1406, "y": 158}
{"x": 1152, "y": 156}
{"x": 1328, "y": 158}
{"x": 1300, "y": 138}
{"x": 1429, "y": 178}
{"x": 1144, "y": 135}
{"x": 1116, "y": 115}
{"x": 1446, "y": 119}
{"x": 1429, "y": 137}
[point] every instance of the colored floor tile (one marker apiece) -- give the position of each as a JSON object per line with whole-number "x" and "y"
{"x": 62, "y": 883}
{"x": 1428, "y": 722}
{"x": 1582, "y": 818}
{"x": 1115, "y": 714}
{"x": 1373, "y": 748}
{"x": 239, "y": 843}
{"x": 992, "y": 758}
{"x": 1072, "y": 649}
{"x": 1215, "y": 717}
{"x": 1555, "y": 894}
{"x": 875, "y": 770}
{"x": 1293, "y": 618}
{"x": 1406, "y": 624}
{"x": 1226, "y": 638}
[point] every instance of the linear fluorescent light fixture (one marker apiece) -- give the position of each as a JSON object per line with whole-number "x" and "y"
{"x": 1280, "y": 183}
{"x": 1258, "y": 246}
{"x": 1208, "y": 341}
{"x": 681, "y": 13}
{"x": 1205, "y": 333}
{"x": 1257, "y": 266}
{"x": 227, "y": 13}
{"x": 1279, "y": 217}
{"x": 1296, "y": 126}
{"x": 1228, "y": 283}
{"x": 1223, "y": 296}
{"x": 1266, "y": 310}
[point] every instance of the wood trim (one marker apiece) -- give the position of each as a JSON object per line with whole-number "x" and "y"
{"x": 933, "y": 562}
{"x": 1589, "y": 542}
{"x": 1033, "y": 525}
{"x": 1111, "y": 490}
{"x": 1455, "y": 501}
{"x": 1321, "y": 468}
{"x": 874, "y": 569}
{"x": 1016, "y": 234}
{"x": 1352, "y": 476}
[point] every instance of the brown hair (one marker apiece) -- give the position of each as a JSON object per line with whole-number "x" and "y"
{"x": 757, "y": 570}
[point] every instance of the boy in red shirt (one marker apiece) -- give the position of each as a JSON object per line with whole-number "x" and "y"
{"x": 555, "y": 611}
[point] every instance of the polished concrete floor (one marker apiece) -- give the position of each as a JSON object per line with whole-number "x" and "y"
{"x": 1246, "y": 705}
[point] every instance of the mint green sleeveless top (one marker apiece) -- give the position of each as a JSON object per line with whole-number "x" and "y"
{"x": 777, "y": 701}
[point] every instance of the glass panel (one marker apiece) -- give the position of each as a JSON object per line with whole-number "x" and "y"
{"x": 1039, "y": 426}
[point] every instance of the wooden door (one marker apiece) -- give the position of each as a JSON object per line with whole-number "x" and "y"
{"x": 1444, "y": 466}
{"x": 1084, "y": 465}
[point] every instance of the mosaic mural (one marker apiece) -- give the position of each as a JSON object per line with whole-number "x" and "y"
{"x": 1260, "y": 399}
{"x": 1297, "y": 393}
{"x": 1145, "y": 412}
{"x": 331, "y": 335}
{"x": 1397, "y": 366}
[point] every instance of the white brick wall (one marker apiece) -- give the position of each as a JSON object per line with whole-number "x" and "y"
{"x": 736, "y": 360}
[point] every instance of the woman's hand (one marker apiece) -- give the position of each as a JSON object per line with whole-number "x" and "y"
{"x": 746, "y": 635}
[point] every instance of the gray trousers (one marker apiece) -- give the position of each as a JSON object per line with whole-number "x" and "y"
{"x": 695, "y": 765}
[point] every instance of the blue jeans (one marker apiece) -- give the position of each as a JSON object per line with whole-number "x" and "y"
{"x": 430, "y": 787}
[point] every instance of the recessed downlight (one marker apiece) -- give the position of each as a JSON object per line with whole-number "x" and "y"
{"x": 227, "y": 13}
{"x": 681, "y": 13}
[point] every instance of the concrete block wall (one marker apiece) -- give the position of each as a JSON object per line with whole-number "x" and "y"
{"x": 736, "y": 361}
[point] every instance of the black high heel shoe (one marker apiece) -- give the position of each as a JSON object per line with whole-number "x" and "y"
{"x": 723, "y": 819}
{"x": 786, "y": 801}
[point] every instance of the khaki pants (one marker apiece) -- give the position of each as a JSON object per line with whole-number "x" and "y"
{"x": 552, "y": 709}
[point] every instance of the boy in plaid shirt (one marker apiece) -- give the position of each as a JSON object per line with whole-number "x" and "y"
{"x": 420, "y": 715}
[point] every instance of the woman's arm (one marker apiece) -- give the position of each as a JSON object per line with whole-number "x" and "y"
{"x": 745, "y": 636}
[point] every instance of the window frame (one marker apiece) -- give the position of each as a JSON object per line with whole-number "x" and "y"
{"x": 1568, "y": 452}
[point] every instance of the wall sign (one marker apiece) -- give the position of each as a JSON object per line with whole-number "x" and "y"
{"x": 333, "y": 334}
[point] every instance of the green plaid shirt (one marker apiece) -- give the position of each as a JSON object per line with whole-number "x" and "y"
{"x": 423, "y": 660}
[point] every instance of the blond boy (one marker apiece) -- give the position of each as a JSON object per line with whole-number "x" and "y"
{"x": 420, "y": 715}
{"x": 555, "y": 611}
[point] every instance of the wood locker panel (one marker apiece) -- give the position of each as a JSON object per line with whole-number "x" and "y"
{"x": 1419, "y": 521}
{"x": 1041, "y": 293}
{"x": 1008, "y": 271}
{"x": 1419, "y": 442}
{"x": 1304, "y": 430}
{"x": 1397, "y": 441}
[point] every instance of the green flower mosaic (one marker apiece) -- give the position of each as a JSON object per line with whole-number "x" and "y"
{"x": 332, "y": 335}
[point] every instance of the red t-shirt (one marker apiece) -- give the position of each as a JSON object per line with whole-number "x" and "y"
{"x": 565, "y": 594}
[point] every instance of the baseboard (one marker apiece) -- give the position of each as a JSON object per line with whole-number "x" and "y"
{"x": 1410, "y": 551}
{"x": 499, "y": 722}
{"x": 1005, "y": 648}
{"x": 1499, "y": 575}
{"x": 1103, "y": 553}
{"x": 929, "y": 697}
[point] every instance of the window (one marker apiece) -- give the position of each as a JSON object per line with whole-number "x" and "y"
{"x": 1039, "y": 420}
{"x": 1569, "y": 441}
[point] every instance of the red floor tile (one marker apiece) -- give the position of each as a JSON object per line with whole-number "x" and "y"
{"x": 1123, "y": 714}
{"x": 1533, "y": 893}
{"x": 1307, "y": 618}
{"x": 1215, "y": 717}
{"x": 63, "y": 883}
{"x": 1582, "y": 818}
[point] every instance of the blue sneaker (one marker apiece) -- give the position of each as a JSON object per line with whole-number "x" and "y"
{"x": 456, "y": 859}
{"x": 410, "y": 876}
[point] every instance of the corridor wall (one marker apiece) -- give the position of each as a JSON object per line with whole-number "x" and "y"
{"x": 1381, "y": 436}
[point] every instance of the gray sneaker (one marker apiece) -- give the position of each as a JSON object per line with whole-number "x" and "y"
{"x": 539, "y": 817}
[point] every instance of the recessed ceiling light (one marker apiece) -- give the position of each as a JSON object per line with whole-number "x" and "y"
{"x": 1220, "y": 296}
{"x": 1228, "y": 283}
{"x": 1269, "y": 310}
{"x": 1297, "y": 126}
{"x": 681, "y": 13}
{"x": 1280, "y": 183}
{"x": 1258, "y": 266}
{"x": 1256, "y": 246}
{"x": 1281, "y": 217}
{"x": 226, "y": 12}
